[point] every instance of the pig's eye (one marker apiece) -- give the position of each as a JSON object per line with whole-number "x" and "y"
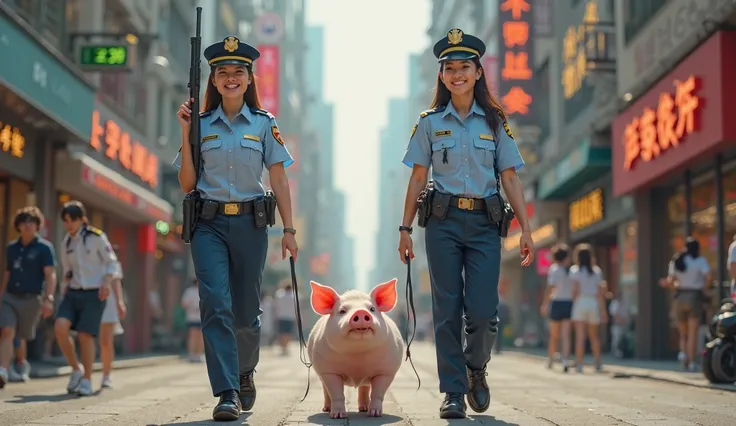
{"x": 343, "y": 312}
{"x": 373, "y": 309}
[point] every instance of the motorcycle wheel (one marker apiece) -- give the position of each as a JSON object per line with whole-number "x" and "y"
{"x": 724, "y": 362}
{"x": 707, "y": 365}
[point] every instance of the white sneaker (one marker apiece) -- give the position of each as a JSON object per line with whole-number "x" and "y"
{"x": 75, "y": 380}
{"x": 20, "y": 372}
{"x": 85, "y": 388}
{"x": 3, "y": 377}
{"x": 106, "y": 382}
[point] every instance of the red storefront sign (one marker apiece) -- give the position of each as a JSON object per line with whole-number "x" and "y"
{"x": 515, "y": 226}
{"x": 682, "y": 119}
{"x": 267, "y": 77}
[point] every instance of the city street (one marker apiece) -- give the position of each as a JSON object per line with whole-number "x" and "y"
{"x": 524, "y": 393}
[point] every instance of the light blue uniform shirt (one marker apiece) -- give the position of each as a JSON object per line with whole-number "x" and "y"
{"x": 234, "y": 153}
{"x": 470, "y": 145}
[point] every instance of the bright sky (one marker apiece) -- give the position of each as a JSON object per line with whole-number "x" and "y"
{"x": 367, "y": 47}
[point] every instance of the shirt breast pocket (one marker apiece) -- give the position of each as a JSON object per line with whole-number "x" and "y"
{"x": 445, "y": 155}
{"x": 251, "y": 153}
{"x": 485, "y": 151}
{"x": 213, "y": 154}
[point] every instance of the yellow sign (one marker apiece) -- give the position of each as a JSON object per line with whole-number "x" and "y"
{"x": 12, "y": 140}
{"x": 539, "y": 235}
{"x": 587, "y": 210}
{"x": 574, "y": 58}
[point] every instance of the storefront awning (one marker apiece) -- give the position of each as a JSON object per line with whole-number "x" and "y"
{"x": 584, "y": 164}
{"x": 80, "y": 175}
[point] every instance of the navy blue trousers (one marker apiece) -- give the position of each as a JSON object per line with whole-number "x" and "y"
{"x": 229, "y": 254}
{"x": 464, "y": 257}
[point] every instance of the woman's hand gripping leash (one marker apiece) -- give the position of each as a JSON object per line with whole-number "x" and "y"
{"x": 411, "y": 315}
{"x": 299, "y": 327}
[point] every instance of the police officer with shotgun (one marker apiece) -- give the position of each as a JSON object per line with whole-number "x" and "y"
{"x": 227, "y": 211}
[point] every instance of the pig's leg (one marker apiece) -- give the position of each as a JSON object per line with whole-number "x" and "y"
{"x": 327, "y": 404}
{"x": 363, "y": 398}
{"x": 379, "y": 386}
{"x": 335, "y": 386}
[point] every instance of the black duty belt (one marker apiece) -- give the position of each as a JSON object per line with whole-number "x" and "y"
{"x": 472, "y": 204}
{"x": 235, "y": 209}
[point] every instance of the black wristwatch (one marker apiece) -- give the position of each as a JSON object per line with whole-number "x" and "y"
{"x": 408, "y": 229}
{"x": 290, "y": 230}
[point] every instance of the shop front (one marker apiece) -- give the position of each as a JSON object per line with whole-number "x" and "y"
{"x": 116, "y": 177}
{"x": 674, "y": 152}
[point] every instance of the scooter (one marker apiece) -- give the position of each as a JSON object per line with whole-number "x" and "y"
{"x": 719, "y": 355}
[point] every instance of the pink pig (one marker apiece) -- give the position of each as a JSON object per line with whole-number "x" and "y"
{"x": 355, "y": 344}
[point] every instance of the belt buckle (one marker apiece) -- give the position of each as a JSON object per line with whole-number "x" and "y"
{"x": 466, "y": 203}
{"x": 232, "y": 209}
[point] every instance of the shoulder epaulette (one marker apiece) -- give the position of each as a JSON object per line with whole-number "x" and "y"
{"x": 431, "y": 111}
{"x": 93, "y": 230}
{"x": 205, "y": 114}
{"x": 261, "y": 111}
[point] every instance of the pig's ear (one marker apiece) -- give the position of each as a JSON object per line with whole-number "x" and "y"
{"x": 385, "y": 295}
{"x": 323, "y": 298}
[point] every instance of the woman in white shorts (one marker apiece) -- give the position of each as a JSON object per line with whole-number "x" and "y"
{"x": 589, "y": 306}
{"x": 110, "y": 326}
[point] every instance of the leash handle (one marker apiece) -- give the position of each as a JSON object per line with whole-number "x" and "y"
{"x": 410, "y": 316}
{"x": 297, "y": 310}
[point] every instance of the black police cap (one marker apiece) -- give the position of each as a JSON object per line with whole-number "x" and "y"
{"x": 458, "y": 46}
{"x": 231, "y": 51}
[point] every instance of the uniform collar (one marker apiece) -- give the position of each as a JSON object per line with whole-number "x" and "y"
{"x": 474, "y": 109}
{"x": 220, "y": 114}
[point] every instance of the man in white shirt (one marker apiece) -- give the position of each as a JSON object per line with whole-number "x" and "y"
{"x": 190, "y": 304}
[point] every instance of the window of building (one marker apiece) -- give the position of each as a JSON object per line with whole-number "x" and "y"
{"x": 638, "y": 13}
{"x": 45, "y": 16}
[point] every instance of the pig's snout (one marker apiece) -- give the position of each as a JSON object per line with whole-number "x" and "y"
{"x": 361, "y": 319}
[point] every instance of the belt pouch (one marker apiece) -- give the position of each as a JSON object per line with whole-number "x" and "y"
{"x": 259, "y": 212}
{"x": 440, "y": 204}
{"x": 209, "y": 209}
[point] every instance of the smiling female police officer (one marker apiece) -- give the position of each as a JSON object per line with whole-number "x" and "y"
{"x": 228, "y": 246}
{"x": 465, "y": 138}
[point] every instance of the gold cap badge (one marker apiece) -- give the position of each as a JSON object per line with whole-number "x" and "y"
{"x": 231, "y": 44}
{"x": 455, "y": 36}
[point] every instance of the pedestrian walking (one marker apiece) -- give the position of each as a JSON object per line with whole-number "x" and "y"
{"x": 229, "y": 242}
{"x": 27, "y": 289}
{"x": 190, "y": 303}
{"x": 557, "y": 305}
{"x": 89, "y": 265}
{"x": 285, "y": 315}
{"x": 115, "y": 311}
{"x": 589, "y": 304}
{"x": 466, "y": 140}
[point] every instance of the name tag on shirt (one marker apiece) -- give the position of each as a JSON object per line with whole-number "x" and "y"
{"x": 210, "y": 138}
{"x": 252, "y": 138}
{"x": 443, "y": 133}
{"x": 486, "y": 137}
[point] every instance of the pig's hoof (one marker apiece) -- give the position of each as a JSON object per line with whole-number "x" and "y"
{"x": 326, "y": 409}
{"x": 338, "y": 412}
{"x": 375, "y": 409}
{"x": 362, "y": 408}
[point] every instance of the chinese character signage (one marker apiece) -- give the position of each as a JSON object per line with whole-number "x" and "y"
{"x": 117, "y": 145}
{"x": 587, "y": 210}
{"x": 578, "y": 93}
{"x": 12, "y": 140}
{"x": 516, "y": 57}
{"x": 267, "y": 75}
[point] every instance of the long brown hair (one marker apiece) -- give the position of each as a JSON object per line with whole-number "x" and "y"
{"x": 495, "y": 115}
{"x": 213, "y": 98}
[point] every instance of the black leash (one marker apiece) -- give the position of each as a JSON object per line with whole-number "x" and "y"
{"x": 413, "y": 314}
{"x": 302, "y": 342}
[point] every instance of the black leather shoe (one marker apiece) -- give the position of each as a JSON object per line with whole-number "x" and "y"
{"x": 453, "y": 407}
{"x": 247, "y": 391}
{"x": 228, "y": 409}
{"x": 479, "y": 394}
